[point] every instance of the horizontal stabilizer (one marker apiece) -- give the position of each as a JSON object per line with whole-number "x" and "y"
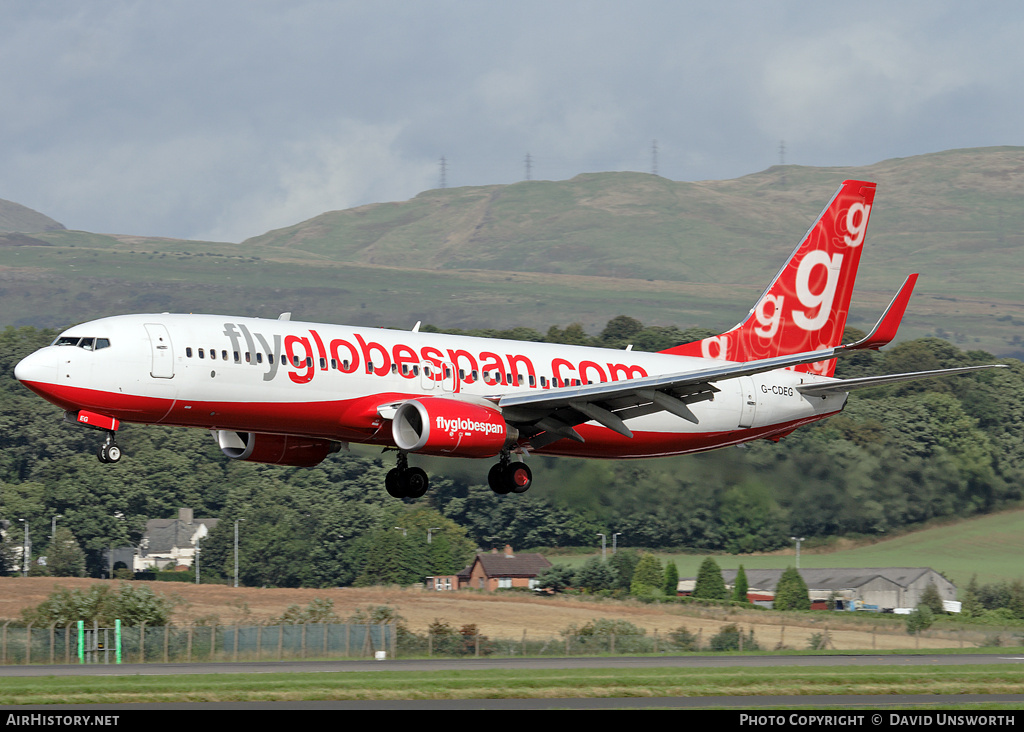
{"x": 848, "y": 385}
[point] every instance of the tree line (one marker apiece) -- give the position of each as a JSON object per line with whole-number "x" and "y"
{"x": 897, "y": 456}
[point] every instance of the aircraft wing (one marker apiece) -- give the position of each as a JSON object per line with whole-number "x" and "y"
{"x": 548, "y": 416}
{"x": 611, "y": 403}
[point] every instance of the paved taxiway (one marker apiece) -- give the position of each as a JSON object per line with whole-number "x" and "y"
{"x": 474, "y": 664}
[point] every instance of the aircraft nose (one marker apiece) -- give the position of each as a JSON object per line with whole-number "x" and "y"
{"x": 38, "y": 367}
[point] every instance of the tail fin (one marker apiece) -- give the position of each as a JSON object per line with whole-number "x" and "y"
{"x": 804, "y": 308}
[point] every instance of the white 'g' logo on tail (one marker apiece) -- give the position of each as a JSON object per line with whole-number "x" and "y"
{"x": 769, "y": 322}
{"x": 720, "y": 344}
{"x": 857, "y": 228}
{"x": 821, "y": 300}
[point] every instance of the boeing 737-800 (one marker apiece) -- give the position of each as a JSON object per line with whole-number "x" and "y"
{"x": 291, "y": 393}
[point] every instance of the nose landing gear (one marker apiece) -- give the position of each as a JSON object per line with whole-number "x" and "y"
{"x": 109, "y": 452}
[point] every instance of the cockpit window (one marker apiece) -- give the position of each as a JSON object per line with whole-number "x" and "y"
{"x": 89, "y": 344}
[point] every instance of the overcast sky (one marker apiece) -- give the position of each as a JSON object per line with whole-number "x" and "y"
{"x": 225, "y": 119}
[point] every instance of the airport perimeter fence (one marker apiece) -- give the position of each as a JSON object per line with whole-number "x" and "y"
{"x": 74, "y": 644}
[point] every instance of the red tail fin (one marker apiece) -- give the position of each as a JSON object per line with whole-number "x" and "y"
{"x": 805, "y": 306}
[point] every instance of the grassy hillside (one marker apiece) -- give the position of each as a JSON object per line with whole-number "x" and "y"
{"x": 17, "y": 218}
{"x": 934, "y": 212}
{"x": 538, "y": 253}
{"x": 988, "y": 546}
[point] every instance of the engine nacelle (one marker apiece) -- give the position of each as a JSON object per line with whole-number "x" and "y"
{"x": 439, "y": 426}
{"x": 257, "y": 447}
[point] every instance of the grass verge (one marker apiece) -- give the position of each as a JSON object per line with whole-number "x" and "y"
{"x": 532, "y": 684}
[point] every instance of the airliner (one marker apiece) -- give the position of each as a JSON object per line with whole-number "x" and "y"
{"x": 291, "y": 393}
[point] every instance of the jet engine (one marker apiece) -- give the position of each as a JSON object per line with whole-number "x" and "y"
{"x": 440, "y": 426}
{"x": 257, "y": 447}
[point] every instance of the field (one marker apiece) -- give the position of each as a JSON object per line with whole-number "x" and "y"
{"x": 509, "y": 616}
{"x": 987, "y": 546}
{"x": 798, "y": 683}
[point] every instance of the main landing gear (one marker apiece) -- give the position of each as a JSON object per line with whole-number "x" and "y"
{"x": 508, "y": 477}
{"x": 406, "y": 482}
{"x": 504, "y": 477}
{"x": 109, "y": 452}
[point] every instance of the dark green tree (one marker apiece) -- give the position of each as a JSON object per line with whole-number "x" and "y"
{"x": 740, "y": 586}
{"x": 648, "y": 575}
{"x": 671, "y": 586}
{"x": 64, "y": 557}
{"x": 709, "y": 584}
{"x": 971, "y": 604}
{"x": 556, "y": 578}
{"x": 791, "y": 592}
{"x": 594, "y": 576}
{"x": 921, "y": 618}
{"x": 622, "y": 563}
{"x": 932, "y": 599}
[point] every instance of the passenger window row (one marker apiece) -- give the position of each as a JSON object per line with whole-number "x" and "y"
{"x": 491, "y": 377}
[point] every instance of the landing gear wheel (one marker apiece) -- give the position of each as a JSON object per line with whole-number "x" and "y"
{"x": 520, "y": 477}
{"x": 109, "y": 453}
{"x": 391, "y": 484}
{"x": 406, "y": 482}
{"x": 414, "y": 482}
{"x": 505, "y": 478}
{"x": 496, "y": 479}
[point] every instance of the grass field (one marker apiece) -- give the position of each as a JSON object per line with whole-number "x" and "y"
{"x": 990, "y": 547}
{"x": 515, "y": 684}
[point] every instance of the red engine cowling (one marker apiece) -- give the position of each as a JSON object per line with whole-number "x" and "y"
{"x": 256, "y": 447}
{"x": 439, "y": 426}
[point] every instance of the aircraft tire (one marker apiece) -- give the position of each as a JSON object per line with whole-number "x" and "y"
{"x": 392, "y": 484}
{"x": 414, "y": 482}
{"x": 519, "y": 477}
{"x": 496, "y": 480}
{"x": 113, "y": 453}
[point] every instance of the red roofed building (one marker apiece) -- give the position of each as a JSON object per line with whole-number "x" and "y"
{"x": 494, "y": 571}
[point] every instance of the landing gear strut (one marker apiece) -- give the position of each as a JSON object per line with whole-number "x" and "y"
{"x": 109, "y": 452}
{"x": 406, "y": 482}
{"x": 508, "y": 477}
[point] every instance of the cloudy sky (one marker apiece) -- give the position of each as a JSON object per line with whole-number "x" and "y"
{"x": 225, "y": 119}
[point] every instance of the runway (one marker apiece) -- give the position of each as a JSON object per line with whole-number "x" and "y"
{"x": 471, "y": 664}
{"x": 849, "y": 703}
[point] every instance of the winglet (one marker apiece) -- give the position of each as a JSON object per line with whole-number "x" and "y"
{"x": 886, "y": 327}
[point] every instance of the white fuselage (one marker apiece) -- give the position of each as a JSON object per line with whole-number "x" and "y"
{"x": 329, "y": 381}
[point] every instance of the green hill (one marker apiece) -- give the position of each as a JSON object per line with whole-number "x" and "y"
{"x": 987, "y": 546}
{"x": 538, "y": 253}
{"x": 956, "y": 216}
{"x": 15, "y": 218}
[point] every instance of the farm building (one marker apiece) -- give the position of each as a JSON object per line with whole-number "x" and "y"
{"x": 884, "y": 587}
